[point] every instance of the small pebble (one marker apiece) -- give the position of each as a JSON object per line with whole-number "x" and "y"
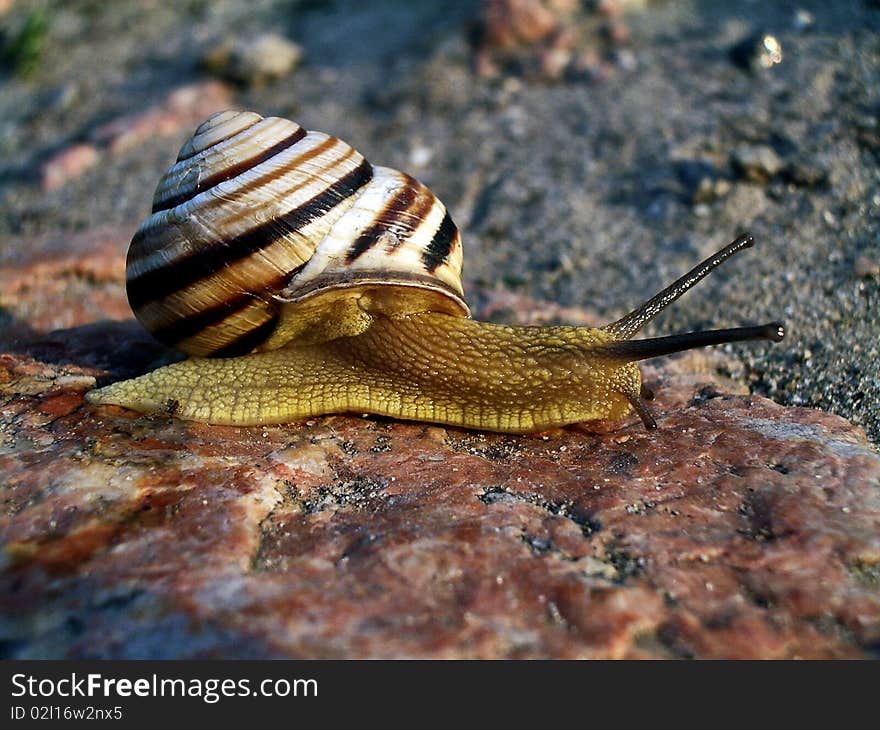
{"x": 626, "y": 59}
{"x": 253, "y": 61}
{"x": 553, "y": 62}
{"x": 181, "y": 108}
{"x": 757, "y": 52}
{"x": 608, "y": 8}
{"x": 507, "y": 23}
{"x": 420, "y": 156}
{"x": 756, "y": 163}
{"x": 67, "y": 165}
{"x": 803, "y": 19}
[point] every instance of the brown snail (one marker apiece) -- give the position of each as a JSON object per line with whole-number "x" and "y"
{"x": 305, "y": 281}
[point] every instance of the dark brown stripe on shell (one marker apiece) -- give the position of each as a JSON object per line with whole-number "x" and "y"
{"x": 278, "y": 172}
{"x": 410, "y": 204}
{"x": 249, "y": 340}
{"x": 183, "y": 328}
{"x": 435, "y": 253}
{"x": 230, "y": 172}
{"x": 183, "y": 272}
{"x": 157, "y": 226}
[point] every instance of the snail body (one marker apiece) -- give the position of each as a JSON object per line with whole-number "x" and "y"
{"x": 305, "y": 281}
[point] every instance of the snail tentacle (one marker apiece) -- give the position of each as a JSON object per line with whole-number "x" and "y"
{"x": 627, "y": 326}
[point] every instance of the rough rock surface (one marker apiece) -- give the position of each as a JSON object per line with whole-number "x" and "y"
{"x": 738, "y": 529}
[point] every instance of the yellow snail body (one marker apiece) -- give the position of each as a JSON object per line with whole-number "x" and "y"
{"x": 303, "y": 281}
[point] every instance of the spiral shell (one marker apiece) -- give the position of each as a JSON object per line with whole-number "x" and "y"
{"x": 260, "y": 223}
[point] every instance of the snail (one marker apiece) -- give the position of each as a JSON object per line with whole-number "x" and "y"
{"x": 303, "y": 281}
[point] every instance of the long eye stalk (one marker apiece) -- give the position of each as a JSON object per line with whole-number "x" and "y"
{"x": 627, "y": 350}
{"x": 627, "y": 326}
{"x": 632, "y": 350}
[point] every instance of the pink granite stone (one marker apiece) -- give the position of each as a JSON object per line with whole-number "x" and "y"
{"x": 182, "y": 108}
{"x": 738, "y": 529}
{"x": 69, "y": 163}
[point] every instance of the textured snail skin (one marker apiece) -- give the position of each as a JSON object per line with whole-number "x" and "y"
{"x": 426, "y": 367}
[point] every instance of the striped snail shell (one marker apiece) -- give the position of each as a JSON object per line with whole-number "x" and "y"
{"x": 307, "y": 281}
{"x": 258, "y": 218}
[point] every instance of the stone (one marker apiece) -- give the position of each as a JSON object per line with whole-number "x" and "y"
{"x": 756, "y": 163}
{"x": 803, "y": 20}
{"x": 68, "y": 164}
{"x": 62, "y": 280}
{"x": 548, "y": 39}
{"x": 253, "y": 61}
{"x": 738, "y": 529}
{"x": 182, "y": 108}
{"x": 508, "y": 23}
{"x": 758, "y": 52}
{"x": 553, "y": 62}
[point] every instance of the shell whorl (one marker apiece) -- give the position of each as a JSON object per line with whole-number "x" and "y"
{"x": 259, "y": 216}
